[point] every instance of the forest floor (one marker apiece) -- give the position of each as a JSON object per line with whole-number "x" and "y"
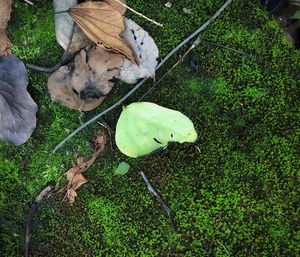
{"x": 235, "y": 192}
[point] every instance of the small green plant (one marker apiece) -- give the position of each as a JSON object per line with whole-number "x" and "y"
{"x": 122, "y": 169}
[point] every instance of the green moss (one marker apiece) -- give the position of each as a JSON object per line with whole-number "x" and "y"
{"x": 235, "y": 192}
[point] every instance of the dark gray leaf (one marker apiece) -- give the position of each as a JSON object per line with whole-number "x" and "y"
{"x": 17, "y": 108}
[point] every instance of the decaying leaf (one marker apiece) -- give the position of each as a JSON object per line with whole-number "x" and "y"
{"x": 78, "y": 41}
{"x": 17, "y": 108}
{"x": 5, "y": 11}
{"x": 145, "y": 50}
{"x": 102, "y": 24}
{"x": 83, "y": 85}
{"x": 117, "y": 6}
{"x": 63, "y": 21}
{"x": 74, "y": 175}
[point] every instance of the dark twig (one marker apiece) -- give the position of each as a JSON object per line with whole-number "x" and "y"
{"x": 136, "y": 87}
{"x": 46, "y": 192}
{"x": 162, "y": 203}
{"x": 66, "y": 57}
{"x": 225, "y": 47}
{"x": 42, "y": 68}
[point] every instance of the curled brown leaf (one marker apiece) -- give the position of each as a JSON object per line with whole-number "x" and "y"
{"x": 83, "y": 84}
{"x": 103, "y": 25}
{"x": 74, "y": 175}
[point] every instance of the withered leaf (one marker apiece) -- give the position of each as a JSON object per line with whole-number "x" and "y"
{"x": 5, "y": 11}
{"x": 102, "y": 24}
{"x": 83, "y": 85}
{"x": 146, "y": 51}
{"x": 71, "y": 195}
{"x": 74, "y": 175}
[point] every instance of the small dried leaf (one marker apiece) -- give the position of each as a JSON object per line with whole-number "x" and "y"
{"x": 78, "y": 181}
{"x": 74, "y": 175}
{"x": 146, "y": 51}
{"x": 5, "y": 11}
{"x": 5, "y": 45}
{"x": 71, "y": 195}
{"x": 102, "y": 24}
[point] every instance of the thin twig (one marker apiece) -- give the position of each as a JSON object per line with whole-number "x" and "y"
{"x": 225, "y": 47}
{"x": 162, "y": 203}
{"x": 136, "y": 87}
{"x": 29, "y": 2}
{"x": 192, "y": 47}
{"x": 46, "y": 192}
{"x": 140, "y": 14}
{"x": 196, "y": 42}
{"x": 225, "y": 249}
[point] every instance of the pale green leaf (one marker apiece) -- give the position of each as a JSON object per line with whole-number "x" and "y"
{"x": 122, "y": 169}
{"x": 145, "y": 127}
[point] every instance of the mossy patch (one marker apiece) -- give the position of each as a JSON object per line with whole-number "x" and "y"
{"x": 235, "y": 192}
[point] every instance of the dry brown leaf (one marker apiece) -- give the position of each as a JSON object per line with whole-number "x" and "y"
{"x": 5, "y": 45}
{"x": 83, "y": 85}
{"x": 71, "y": 195}
{"x": 102, "y": 24}
{"x": 5, "y": 11}
{"x": 78, "y": 40}
{"x": 117, "y": 6}
{"x": 74, "y": 175}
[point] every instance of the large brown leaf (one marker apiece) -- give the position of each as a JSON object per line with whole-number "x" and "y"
{"x": 5, "y": 11}
{"x": 116, "y": 5}
{"x": 103, "y": 25}
{"x": 84, "y": 83}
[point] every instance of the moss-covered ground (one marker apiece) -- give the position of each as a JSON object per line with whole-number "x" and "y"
{"x": 235, "y": 192}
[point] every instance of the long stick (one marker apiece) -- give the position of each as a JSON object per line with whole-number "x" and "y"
{"x": 162, "y": 203}
{"x": 204, "y": 26}
{"x": 33, "y": 209}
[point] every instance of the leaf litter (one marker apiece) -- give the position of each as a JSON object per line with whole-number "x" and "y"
{"x": 123, "y": 51}
{"x": 74, "y": 175}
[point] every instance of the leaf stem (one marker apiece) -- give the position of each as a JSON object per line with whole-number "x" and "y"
{"x": 139, "y": 14}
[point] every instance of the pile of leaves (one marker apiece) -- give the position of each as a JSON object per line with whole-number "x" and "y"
{"x": 107, "y": 46}
{"x": 100, "y": 44}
